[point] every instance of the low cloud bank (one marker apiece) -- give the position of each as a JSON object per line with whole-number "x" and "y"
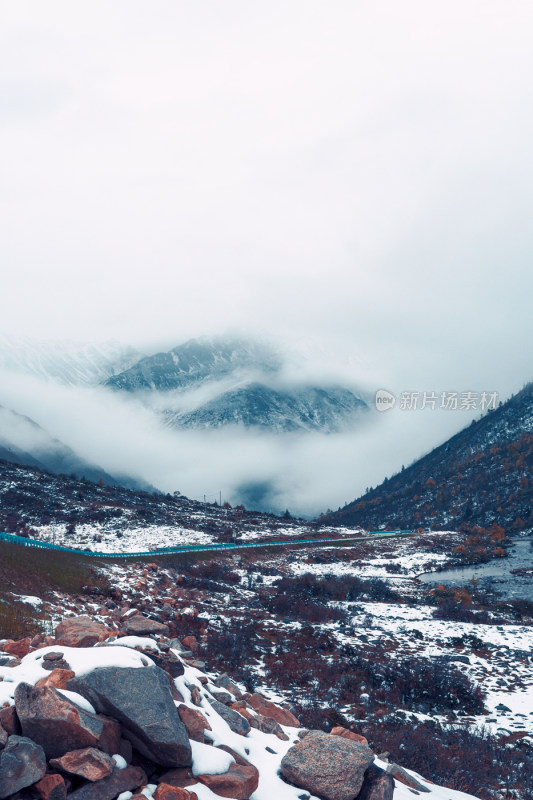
{"x": 307, "y": 473}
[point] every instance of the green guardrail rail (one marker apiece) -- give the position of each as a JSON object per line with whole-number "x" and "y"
{"x": 196, "y": 548}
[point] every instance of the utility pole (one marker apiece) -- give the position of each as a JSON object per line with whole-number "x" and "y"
{"x": 205, "y": 509}
{"x": 220, "y": 499}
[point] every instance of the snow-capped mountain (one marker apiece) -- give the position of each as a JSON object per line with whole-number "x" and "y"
{"x": 195, "y": 362}
{"x": 242, "y": 383}
{"x": 308, "y": 408}
{"x": 66, "y": 362}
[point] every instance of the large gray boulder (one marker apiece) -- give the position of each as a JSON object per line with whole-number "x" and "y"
{"x": 22, "y": 763}
{"x": 329, "y": 766}
{"x": 140, "y": 699}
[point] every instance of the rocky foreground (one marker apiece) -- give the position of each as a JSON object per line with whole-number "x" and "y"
{"x": 96, "y": 713}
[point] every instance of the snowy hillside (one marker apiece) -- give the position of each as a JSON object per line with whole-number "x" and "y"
{"x": 172, "y": 731}
{"x": 67, "y": 362}
{"x": 301, "y": 409}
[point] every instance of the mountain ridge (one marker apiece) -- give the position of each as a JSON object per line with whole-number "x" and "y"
{"x": 482, "y": 475}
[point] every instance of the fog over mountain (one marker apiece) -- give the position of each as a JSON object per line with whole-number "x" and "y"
{"x": 276, "y": 446}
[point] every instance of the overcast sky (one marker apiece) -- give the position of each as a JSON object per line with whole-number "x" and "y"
{"x": 356, "y": 176}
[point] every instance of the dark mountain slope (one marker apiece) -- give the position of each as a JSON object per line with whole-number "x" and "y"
{"x": 480, "y": 476}
{"x": 23, "y": 441}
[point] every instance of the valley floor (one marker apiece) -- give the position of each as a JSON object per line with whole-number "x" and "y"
{"x": 278, "y": 622}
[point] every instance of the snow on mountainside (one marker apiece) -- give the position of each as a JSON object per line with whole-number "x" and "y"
{"x": 196, "y": 361}
{"x": 300, "y": 409}
{"x": 243, "y": 384}
{"x": 67, "y": 362}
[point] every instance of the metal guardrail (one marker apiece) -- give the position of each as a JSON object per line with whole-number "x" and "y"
{"x": 198, "y": 548}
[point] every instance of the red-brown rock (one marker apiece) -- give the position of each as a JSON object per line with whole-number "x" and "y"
{"x": 179, "y": 777}
{"x": 195, "y": 723}
{"x": 80, "y": 632}
{"x": 88, "y": 763}
{"x": 167, "y": 792}
{"x": 268, "y": 709}
{"x": 191, "y": 643}
{"x": 120, "y": 780}
{"x": 54, "y": 722}
{"x": 58, "y": 678}
{"x": 238, "y": 783}
{"x": 346, "y": 734}
{"x": 19, "y": 648}
{"x": 195, "y": 696}
{"x": 10, "y": 721}
{"x": 51, "y": 787}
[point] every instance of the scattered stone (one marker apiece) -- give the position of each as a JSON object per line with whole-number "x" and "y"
{"x": 191, "y": 643}
{"x": 238, "y": 783}
{"x": 166, "y": 791}
{"x": 377, "y": 785}
{"x": 140, "y": 699}
{"x": 172, "y": 665}
{"x": 3, "y": 737}
{"x": 55, "y": 723}
{"x": 400, "y": 774}
{"x": 120, "y": 780}
{"x": 329, "y": 766}
{"x": 22, "y": 762}
{"x": 268, "y": 709}
{"x": 19, "y": 648}
{"x": 195, "y": 696}
{"x": 195, "y": 723}
{"x": 88, "y": 763}
{"x": 139, "y": 625}
{"x": 58, "y": 678}
{"x": 80, "y": 632}
{"x": 269, "y": 725}
{"x": 346, "y": 734}
{"x": 51, "y": 787}
{"x": 236, "y": 722}
{"x": 53, "y": 661}
{"x": 179, "y": 777}
{"x": 10, "y": 721}
{"x": 222, "y": 696}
